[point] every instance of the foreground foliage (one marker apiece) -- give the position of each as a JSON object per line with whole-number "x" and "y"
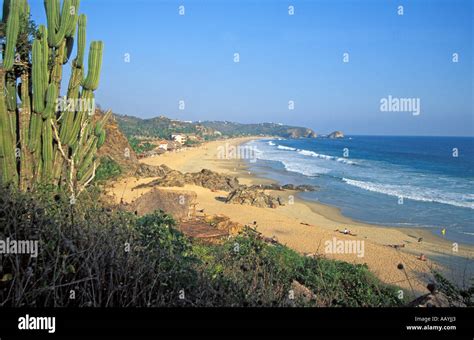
{"x": 93, "y": 255}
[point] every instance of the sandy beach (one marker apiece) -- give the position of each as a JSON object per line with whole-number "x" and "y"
{"x": 307, "y": 226}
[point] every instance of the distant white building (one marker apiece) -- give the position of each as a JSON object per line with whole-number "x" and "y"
{"x": 179, "y": 138}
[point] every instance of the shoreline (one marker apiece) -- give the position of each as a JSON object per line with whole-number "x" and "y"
{"x": 335, "y": 213}
{"x": 306, "y": 225}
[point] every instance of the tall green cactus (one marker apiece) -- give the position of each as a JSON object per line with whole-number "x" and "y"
{"x": 56, "y": 144}
{"x": 95, "y": 63}
{"x": 13, "y": 28}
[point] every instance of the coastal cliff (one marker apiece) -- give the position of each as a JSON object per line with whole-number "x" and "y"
{"x": 336, "y": 134}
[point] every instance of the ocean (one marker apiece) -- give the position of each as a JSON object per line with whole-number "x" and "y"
{"x": 422, "y": 182}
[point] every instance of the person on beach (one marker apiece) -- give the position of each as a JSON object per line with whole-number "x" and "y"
{"x": 345, "y": 232}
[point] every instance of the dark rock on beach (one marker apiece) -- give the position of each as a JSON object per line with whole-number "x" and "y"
{"x": 205, "y": 178}
{"x": 253, "y": 197}
{"x": 276, "y": 187}
{"x": 145, "y": 170}
{"x": 212, "y": 180}
{"x": 302, "y": 187}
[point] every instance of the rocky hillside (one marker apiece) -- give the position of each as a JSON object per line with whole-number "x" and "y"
{"x": 116, "y": 146}
{"x": 268, "y": 129}
{"x": 163, "y": 127}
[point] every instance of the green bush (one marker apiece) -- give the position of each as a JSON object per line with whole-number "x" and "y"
{"x": 343, "y": 284}
{"x": 138, "y": 147}
{"x": 265, "y": 273}
{"x": 90, "y": 251}
{"x": 107, "y": 169}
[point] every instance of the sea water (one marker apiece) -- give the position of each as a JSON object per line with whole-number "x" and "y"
{"x": 423, "y": 182}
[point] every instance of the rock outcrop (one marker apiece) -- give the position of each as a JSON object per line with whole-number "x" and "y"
{"x": 145, "y": 170}
{"x": 175, "y": 203}
{"x": 302, "y": 293}
{"x": 253, "y": 197}
{"x": 276, "y": 187}
{"x": 300, "y": 133}
{"x": 302, "y": 187}
{"x": 116, "y": 147}
{"x": 436, "y": 298}
{"x": 336, "y": 134}
{"x": 205, "y": 178}
{"x": 212, "y": 180}
{"x": 224, "y": 223}
{"x": 173, "y": 178}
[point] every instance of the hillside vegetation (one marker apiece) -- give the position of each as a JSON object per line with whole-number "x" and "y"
{"x": 91, "y": 254}
{"x": 163, "y": 127}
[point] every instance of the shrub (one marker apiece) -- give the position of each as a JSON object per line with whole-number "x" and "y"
{"x": 341, "y": 284}
{"x": 453, "y": 293}
{"x": 140, "y": 147}
{"x": 265, "y": 274}
{"x": 87, "y": 251}
{"x": 93, "y": 255}
{"x": 107, "y": 169}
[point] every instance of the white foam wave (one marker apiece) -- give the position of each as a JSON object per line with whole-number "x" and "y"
{"x": 282, "y": 147}
{"x": 327, "y": 157}
{"x": 314, "y": 154}
{"x": 291, "y": 164}
{"x": 307, "y": 170}
{"x": 413, "y": 193}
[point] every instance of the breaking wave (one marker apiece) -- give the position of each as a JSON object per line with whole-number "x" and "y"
{"x": 414, "y": 193}
{"x": 314, "y": 154}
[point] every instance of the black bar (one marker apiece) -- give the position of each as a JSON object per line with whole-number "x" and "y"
{"x": 293, "y": 323}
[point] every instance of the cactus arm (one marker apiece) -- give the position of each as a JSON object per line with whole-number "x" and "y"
{"x": 47, "y": 149}
{"x": 81, "y": 40}
{"x": 65, "y": 25}
{"x": 13, "y": 28}
{"x": 35, "y": 132}
{"x": 7, "y": 154}
{"x": 43, "y": 32}
{"x": 57, "y": 71}
{"x": 74, "y": 9}
{"x": 66, "y": 20}
{"x": 38, "y": 77}
{"x": 52, "y": 17}
{"x": 94, "y": 66}
{"x": 51, "y": 97}
{"x": 26, "y": 163}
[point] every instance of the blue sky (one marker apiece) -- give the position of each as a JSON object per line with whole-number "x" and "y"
{"x": 283, "y": 58}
